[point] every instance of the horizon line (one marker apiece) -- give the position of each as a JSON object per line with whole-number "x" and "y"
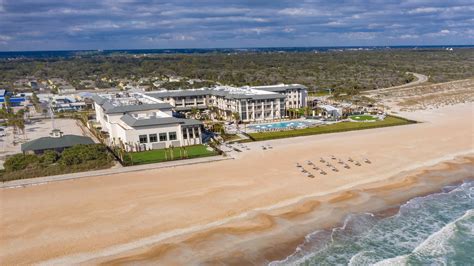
{"x": 249, "y": 47}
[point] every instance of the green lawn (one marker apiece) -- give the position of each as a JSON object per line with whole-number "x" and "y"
{"x": 338, "y": 127}
{"x": 363, "y": 117}
{"x": 155, "y": 156}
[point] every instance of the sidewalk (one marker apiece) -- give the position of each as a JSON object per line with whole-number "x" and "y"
{"x": 118, "y": 170}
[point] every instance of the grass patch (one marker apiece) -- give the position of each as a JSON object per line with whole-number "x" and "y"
{"x": 363, "y": 117}
{"x": 156, "y": 156}
{"x": 338, "y": 127}
{"x": 230, "y": 137}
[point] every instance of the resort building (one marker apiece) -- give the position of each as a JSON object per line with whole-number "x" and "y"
{"x": 295, "y": 94}
{"x": 251, "y": 103}
{"x": 136, "y": 122}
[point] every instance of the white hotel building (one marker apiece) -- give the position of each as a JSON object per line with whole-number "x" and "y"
{"x": 251, "y": 103}
{"x": 140, "y": 122}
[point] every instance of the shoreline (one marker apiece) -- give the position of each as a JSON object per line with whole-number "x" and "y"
{"x": 390, "y": 211}
{"x": 265, "y": 217}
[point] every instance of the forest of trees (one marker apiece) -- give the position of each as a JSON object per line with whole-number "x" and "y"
{"x": 361, "y": 70}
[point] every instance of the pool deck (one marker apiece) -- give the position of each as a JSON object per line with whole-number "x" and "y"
{"x": 252, "y": 128}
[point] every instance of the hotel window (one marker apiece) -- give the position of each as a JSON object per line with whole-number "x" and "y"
{"x": 153, "y": 138}
{"x": 143, "y": 138}
{"x": 196, "y": 132}
{"x": 163, "y": 137}
{"x": 172, "y": 135}
{"x": 185, "y": 134}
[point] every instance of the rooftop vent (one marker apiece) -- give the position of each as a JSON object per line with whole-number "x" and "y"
{"x": 56, "y": 133}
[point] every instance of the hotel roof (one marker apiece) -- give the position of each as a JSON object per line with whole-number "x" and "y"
{"x": 279, "y": 87}
{"x": 226, "y": 92}
{"x": 153, "y": 121}
{"x": 133, "y": 103}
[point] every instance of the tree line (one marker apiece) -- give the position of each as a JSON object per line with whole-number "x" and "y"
{"x": 363, "y": 70}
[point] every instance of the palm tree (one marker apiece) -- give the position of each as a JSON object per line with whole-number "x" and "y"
{"x": 236, "y": 117}
{"x": 194, "y": 112}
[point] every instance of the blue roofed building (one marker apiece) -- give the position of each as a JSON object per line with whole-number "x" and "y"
{"x": 14, "y": 100}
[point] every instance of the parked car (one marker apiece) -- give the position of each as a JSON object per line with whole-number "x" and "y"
{"x": 3, "y": 132}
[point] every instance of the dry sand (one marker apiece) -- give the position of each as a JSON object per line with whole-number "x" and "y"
{"x": 179, "y": 215}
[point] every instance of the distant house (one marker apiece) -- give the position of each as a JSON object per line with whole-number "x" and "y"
{"x": 66, "y": 89}
{"x": 14, "y": 100}
{"x": 34, "y": 85}
{"x": 329, "y": 111}
{"x": 55, "y": 142}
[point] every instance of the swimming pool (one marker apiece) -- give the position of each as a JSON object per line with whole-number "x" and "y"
{"x": 280, "y": 125}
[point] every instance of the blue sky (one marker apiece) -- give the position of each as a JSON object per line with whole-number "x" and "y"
{"x": 130, "y": 24}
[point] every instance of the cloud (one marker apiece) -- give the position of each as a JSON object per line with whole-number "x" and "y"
{"x": 360, "y": 35}
{"x": 112, "y": 24}
{"x": 441, "y": 33}
{"x": 409, "y": 36}
{"x": 425, "y": 10}
{"x": 257, "y": 31}
{"x": 5, "y": 38}
{"x": 301, "y": 12}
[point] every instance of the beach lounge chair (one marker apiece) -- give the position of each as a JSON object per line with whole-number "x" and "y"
{"x": 322, "y": 160}
{"x": 367, "y": 161}
{"x": 357, "y": 163}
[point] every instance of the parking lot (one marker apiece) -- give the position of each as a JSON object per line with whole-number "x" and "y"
{"x": 11, "y": 144}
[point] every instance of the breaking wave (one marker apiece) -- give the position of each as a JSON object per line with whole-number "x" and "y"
{"x": 435, "y": 229}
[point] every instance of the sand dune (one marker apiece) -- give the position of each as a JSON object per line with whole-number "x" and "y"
{"x": 227, "y": 210}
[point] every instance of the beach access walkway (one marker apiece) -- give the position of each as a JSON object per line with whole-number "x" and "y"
{"x": 114, "y": 170}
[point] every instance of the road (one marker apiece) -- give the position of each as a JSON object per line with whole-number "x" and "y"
{"x": 420, "y": 78}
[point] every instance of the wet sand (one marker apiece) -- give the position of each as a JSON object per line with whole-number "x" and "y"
{"x": 252, "y": 209}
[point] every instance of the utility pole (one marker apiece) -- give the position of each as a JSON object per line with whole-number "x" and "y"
{"x": 52, "y": 113}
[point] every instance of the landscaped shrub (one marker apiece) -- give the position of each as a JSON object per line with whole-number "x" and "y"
{"x": 81, "y": 153}
{"x": 75, "y": 159}
{"x": 19, "y": 162}
{"x": 49, "y": 157}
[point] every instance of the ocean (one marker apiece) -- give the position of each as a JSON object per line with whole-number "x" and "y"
{"x": 90, "y": 53}
{"x": 437, "y": 229}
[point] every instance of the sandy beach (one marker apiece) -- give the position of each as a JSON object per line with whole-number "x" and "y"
{"x": 253, "y": 209}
